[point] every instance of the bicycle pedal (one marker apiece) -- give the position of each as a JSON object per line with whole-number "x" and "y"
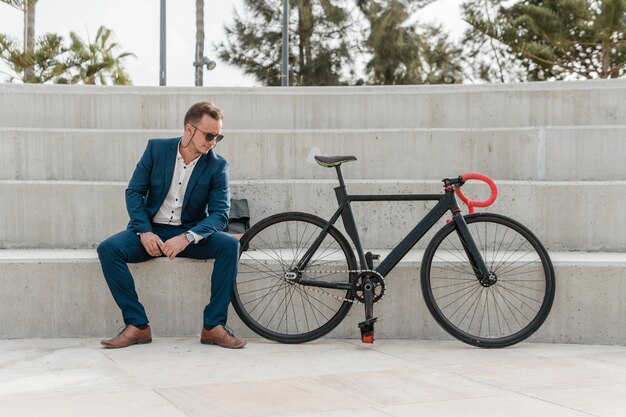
{"x": 370, "y": 258}
{"x": 367, "y": 330}
{"x": 367, "y": 337}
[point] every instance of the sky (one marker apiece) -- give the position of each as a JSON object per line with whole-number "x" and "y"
{"x": 136, "y": 27}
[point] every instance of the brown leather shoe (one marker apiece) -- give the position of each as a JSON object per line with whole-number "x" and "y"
{"x": 131, "y": 335}
{"x": 221, "y": 336}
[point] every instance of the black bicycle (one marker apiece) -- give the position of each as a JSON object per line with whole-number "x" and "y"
{"x": 486, "y": 279}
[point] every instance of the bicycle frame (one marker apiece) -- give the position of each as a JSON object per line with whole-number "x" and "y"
{"x": 445, "y": 202}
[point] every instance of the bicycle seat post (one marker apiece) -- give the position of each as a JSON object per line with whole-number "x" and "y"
{"x": 340, "y": 176}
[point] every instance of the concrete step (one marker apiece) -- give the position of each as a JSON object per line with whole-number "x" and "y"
{"x": 568, "y": 215}
{"x": 555, "y": 153}
{"x": 597, "y": 102}
{"x": 67, "y": 297}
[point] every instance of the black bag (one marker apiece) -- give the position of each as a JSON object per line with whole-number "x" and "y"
{"x": 239, "y": 217}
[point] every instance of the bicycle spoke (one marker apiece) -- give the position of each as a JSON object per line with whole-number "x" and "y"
{"x": 287, "y": 300}
{"x": 263, "y": 297}
{"x": 277, "y": 256}
{"x": 524, "y": 286}
{"x": 499, "y": 310}
{"x": 319, "y": 301}
{"x": 511, "y": 307}
{"x": 266, "y": 271}
{"x": 449, "y": 285}
{"x": 474, "y": 302}
{"x": 517, "y": 295}
{"x": 469, "y": 293}
{"x": 454, "y": 267}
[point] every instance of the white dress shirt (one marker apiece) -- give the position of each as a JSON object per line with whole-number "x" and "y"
{"x": 171, "y": 210}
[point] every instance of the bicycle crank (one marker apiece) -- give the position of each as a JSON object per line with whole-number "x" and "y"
{"x": 368, "y": 287}
{"x": 368, "y": 281}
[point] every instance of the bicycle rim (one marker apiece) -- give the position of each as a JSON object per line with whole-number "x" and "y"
{"x": 498, "y": 315}
{"x": 277, "y": 308}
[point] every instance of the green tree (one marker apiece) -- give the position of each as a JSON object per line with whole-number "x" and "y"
{"x": 52, "y": 61}
{"x": 28, "y": 8}
{"x": 439, "y": 57}
{"x": 320, "y": 33}
{"x": 483, "y": 57}
{"x": 403, "y": 53}
{"x": 562, "y": 39}
{"x": 44, "y": 61}
{"x": 95, "y": 63}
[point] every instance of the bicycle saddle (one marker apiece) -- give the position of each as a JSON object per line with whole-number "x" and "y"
{"x": 333, "y": 161}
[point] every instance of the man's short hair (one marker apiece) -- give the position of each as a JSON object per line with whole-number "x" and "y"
{"x": 195, "y": 112}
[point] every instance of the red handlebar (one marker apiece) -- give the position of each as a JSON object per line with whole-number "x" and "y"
{"x": 477, "y": 203}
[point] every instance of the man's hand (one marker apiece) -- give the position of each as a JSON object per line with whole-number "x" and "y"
{"x": 151, "y": 243}
{"x": 174, "y": 246}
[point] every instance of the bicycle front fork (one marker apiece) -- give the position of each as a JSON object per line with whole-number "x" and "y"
{"x": 481, "y": 271}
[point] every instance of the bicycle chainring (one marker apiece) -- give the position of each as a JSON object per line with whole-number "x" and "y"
{"x": 359, "y": 280}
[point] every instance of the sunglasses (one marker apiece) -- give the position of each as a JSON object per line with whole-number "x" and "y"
{"x": 209, "y": 136}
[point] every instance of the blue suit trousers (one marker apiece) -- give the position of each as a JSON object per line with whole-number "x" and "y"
{"x": 119, "y": 250}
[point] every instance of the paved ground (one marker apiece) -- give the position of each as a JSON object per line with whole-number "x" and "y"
{"x": 326, "y": 378}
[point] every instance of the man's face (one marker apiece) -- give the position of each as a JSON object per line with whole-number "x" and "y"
{"x": 198, "y": 131}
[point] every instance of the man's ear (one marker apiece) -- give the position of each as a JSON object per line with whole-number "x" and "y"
{"x": 188, "y": 128}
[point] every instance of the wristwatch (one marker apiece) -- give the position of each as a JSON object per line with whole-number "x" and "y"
{"x": 190, "y": 237}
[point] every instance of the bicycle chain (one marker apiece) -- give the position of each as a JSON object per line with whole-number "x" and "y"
{"x": 349, "y": 271}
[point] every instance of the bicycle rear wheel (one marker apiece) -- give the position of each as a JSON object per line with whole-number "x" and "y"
{"x": 278, "y": 308}
{"x": 498, "y": 315}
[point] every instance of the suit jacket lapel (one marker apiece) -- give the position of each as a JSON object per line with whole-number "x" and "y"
{"x": 170, "y": 161}
{"x": 197, "y": 171}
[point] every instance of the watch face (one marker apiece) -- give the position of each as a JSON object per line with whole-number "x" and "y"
{"x": 190, "y": 237}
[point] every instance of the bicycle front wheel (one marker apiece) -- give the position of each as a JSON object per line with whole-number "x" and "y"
{"x": 269, "y": 301}
{"x": 493, "y": 315}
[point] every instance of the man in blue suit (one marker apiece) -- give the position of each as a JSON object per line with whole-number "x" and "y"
{"x": 178, "y": 201}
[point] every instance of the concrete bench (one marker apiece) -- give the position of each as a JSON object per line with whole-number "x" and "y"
{"x": 564, "y": 215}
{"x": 551, "y": 153}
{"x": 597, "y": 102}
{"x": 62, "y": 293}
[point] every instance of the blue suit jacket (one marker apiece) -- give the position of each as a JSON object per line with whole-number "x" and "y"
{"x": 207, "y": 199}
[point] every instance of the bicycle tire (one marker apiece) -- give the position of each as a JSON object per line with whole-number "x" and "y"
{"x": 284, "y": 311}
{"x": 499, "y": 315}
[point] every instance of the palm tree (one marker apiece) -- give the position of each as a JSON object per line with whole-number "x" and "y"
{"x": 28, "y": 7}
{"x": 44, "y": 61}
{"x": 97, "y": 62}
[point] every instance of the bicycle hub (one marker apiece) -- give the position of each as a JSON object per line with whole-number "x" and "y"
{"x": 488, "y": 281}
{"x": 292, "y": 276}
